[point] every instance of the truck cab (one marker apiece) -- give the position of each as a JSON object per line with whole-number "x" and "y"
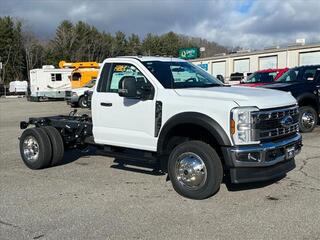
{"x": 168, "y": 111}
{"x": 263, "y": 77}
{"x": 304, "y": 84}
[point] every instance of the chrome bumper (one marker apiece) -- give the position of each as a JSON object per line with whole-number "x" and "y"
{"x": 264, "y": 154}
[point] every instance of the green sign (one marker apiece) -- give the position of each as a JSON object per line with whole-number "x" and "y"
{"x": 189, "y": 53}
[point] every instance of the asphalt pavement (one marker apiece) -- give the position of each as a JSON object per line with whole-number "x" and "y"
{"x": 91, "y": 197}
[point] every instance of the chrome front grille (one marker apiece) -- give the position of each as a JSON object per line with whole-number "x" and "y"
{"x": 68, "y": 93}
{"x": 275, "y": 123}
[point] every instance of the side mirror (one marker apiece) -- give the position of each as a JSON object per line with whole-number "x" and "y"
{"x": 128, "y": 87}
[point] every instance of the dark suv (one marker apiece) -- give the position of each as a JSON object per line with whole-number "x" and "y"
{"x": 304, "y": 84}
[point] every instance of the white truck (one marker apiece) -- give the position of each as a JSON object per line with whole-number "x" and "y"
{"x": 170, "y": 112}
{"x": 77, "y": 97}
{"x": 49, "y": 82}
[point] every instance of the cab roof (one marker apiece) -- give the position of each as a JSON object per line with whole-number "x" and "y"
{"x": 272, "y": 70}
{"x": 154, "y": 58}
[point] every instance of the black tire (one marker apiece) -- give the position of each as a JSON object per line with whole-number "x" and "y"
{"x": 308, "y": 119}
{"x": 213, "y": 168}
{"x": 83, "y": 102}
{"x": 43, "y": 159}
{"x": 56, "y": 143}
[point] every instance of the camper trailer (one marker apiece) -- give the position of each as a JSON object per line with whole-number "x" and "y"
{"x": 49, "y": 83}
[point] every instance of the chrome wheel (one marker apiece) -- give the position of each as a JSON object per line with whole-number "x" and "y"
{"x": 308, "y": 120}
{"x": 191, "y": 172}
{"x": 30, "y": 149}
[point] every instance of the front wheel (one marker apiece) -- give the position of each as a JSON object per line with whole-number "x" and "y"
{"x": 83, "y": 103}
{"x": 308, "y": 119}
{"x": 195, "y": 170}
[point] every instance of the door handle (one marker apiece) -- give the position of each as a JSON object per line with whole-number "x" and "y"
{"x": 104, "y": 104}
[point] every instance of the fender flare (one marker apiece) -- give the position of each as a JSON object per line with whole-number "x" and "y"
{"x": 195, "y": 118}
{"x": 308, "y": 96}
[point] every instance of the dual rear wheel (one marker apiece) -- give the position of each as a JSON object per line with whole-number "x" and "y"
{"x": 41, "y": 147}
{"x": 194, "y": 167}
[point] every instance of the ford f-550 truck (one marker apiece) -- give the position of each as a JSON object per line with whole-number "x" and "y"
{"x": 169, "y": 111}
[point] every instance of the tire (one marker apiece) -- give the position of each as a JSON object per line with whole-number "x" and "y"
{"x": 204, "y": 160}
{"x": 83, "y": 102}
{"x": 35, "y": 143}
{"x": 308, "y": 119}
{"x": 56, "y": 144}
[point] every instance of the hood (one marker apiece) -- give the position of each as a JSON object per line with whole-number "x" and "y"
{"x": 251, "y": 84}
{"x": 243, "y": 96}
{"x": 281, "y": 85}
{"x": 80, "y": 90}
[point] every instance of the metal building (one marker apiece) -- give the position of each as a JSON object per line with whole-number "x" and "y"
{"x": 246, "y": 61}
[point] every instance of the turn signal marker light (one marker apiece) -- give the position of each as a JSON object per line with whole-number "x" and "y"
{"x": 232, "y": 127}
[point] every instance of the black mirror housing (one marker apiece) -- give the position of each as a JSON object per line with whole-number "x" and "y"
{"x": 128, "y": 87}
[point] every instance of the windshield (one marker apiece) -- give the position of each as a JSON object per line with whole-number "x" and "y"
{"x": 299, "y": 74}
{"x": 261, "y": 77}
{"x": 181, "y": 75}
{"x": 289, "y": 76}
{"x": 91, "y": 83}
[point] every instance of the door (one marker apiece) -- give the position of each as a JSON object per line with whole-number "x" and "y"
{"x": 305, "y": 82}
{"x": 268, "y": 62}
{"x": 309, "y": 58}
{"x": 219, "y": 68}
{"x": 241, "y": 65}
{"x": 121, "y": 121}
{"x": 317, "y": 89}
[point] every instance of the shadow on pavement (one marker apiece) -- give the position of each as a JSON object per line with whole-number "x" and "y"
{"x": 248, "y": 186}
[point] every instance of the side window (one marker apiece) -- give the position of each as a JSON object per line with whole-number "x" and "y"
{"x": 56, "y": 77}
{"x": 120, "y": 70}
{"x": 309, "y": 74}
{"x": 292, "y": 76}
{"x": 103, "y": 80}
{"x": 76, "y": 76}
{"x": 317, "y": 75}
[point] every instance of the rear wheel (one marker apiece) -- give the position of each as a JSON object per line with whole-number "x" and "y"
{"x": 308, "y": 119}
{"x": 56, "y": 143}
{"x": 195, "y": 170}
{"x": 35, "y": 148}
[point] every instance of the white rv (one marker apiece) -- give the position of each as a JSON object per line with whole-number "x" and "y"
{"x": 49, "y": 82}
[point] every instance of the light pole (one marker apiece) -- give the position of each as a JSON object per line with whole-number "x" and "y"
{"x": 0, "y": 69}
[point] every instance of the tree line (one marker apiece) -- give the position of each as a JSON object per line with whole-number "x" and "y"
{"x": 22, "y": 50}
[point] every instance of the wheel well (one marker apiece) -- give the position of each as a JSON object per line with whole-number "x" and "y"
{"x": 188, "y": 131}
{"x": 308, "y": 102}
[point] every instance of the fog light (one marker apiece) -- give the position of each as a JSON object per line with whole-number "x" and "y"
{"x": 249, "y": 157}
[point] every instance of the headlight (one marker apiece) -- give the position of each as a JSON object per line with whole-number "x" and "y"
{"x": 74, "y": 94}
{"x": 241, "y": 125}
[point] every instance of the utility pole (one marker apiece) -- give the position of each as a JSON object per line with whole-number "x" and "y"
{"x": 0, "y": 70}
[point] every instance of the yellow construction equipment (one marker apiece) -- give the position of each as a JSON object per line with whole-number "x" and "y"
{"x": 83, "y": 72}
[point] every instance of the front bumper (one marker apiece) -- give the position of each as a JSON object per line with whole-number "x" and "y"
{"x": 262, "y": 162}
{"x": 73, "y": 100}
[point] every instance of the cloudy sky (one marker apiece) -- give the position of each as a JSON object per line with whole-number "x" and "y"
{"x": 245, "y": 23}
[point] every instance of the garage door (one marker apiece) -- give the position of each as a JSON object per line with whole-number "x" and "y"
{"x": 241, "y": 65}
{"x": 309, "y": 58}
{"x": 268, "y": 62}
{"x": 219, "y": 68}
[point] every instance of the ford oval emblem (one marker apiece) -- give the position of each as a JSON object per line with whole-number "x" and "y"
{"x": 287, "y": 121}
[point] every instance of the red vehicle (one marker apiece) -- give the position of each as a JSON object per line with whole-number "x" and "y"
{"x": 263, "y": 77}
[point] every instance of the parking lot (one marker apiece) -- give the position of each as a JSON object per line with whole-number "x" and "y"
{"x": 90, "y": 197}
